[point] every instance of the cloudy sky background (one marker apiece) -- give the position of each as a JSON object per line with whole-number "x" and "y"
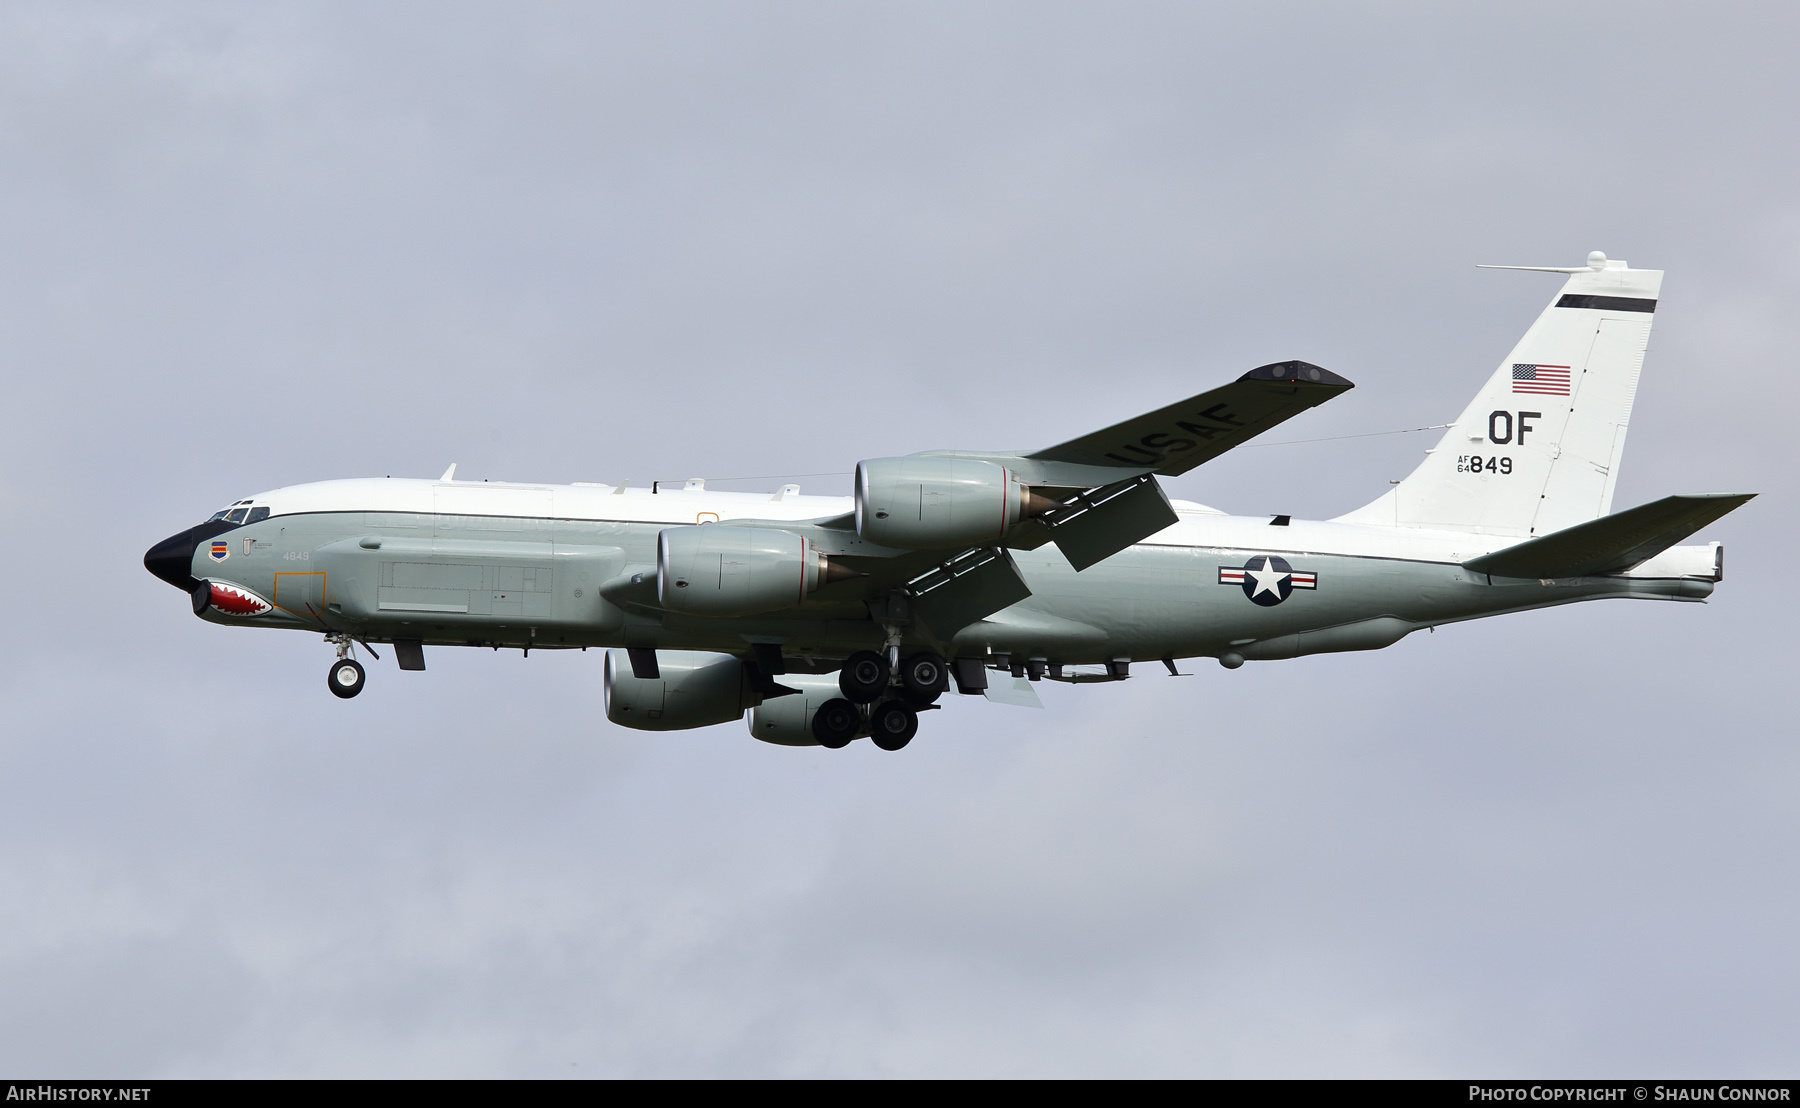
{"x": 242, "y": 247}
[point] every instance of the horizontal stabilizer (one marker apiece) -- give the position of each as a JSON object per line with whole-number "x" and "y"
{"x": 1610, "y": 544}
{"x": 1177, "y": 438}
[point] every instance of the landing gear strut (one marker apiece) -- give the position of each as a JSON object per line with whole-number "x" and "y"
{"x": 345, "y": 678}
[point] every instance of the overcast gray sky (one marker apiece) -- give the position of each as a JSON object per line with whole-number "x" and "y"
{"x": 248, "y": 246}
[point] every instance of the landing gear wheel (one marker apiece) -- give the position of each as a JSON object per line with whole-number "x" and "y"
{"x": 864, "y": 677}
{"x": 893, "y": 724}
{"x": 835, "y": 723}
{"x": 923, "y": 678}
{"x": 345, "y": 678}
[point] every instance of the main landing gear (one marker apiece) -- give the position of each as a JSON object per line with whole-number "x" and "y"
{"x": 836, "y": 722}
{"x": 879, "y": 702}
{"x": 345, "y": 678}
{"x": 893, "y": 724}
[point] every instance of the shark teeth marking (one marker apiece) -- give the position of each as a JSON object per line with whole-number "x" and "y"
{"x": 236, "y": 601}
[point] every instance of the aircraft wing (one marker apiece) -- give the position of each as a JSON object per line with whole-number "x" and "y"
{"x": 1610, "y": 544}
{"x": 1105, "y": 492}
{"x": 1172, "y": 440}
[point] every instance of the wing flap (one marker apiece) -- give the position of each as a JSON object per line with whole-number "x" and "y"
{"x": 1175, "y": 439}
{"x": 1097, "y": 525}
{"x": 1610, "y": 544}
{"x": 972, "y": 586}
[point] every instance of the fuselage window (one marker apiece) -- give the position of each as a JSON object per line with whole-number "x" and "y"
{"x": 257, "y": 515}
{"x": 236, "y": 516}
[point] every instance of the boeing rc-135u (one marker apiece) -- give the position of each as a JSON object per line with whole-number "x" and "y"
{"x": 830, "y": 618}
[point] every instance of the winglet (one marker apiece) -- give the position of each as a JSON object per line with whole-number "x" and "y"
{"x": 449, "y": 474}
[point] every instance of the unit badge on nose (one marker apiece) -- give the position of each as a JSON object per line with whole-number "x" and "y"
{"x": 219, "y": 551}
{"x": 1267, "y": 579}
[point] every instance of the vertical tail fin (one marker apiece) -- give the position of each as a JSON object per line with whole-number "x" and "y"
{"x": 1538, "y": 448}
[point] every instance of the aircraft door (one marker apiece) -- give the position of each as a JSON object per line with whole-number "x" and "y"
{"x": 302, "y": 594}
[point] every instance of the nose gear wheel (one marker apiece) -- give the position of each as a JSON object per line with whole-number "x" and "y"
{"x": 345, "y": 678}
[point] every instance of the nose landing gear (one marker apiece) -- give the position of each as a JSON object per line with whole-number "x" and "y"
{"x": 345, "y": 678}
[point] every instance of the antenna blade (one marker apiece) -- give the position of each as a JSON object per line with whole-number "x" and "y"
{"x": 1540, "y": 268}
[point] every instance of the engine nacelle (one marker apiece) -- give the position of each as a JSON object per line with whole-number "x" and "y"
{"x": 696, "y": 689}
{"x": 787, "y": 720}
{"x": 712, "y": 570}
{"x": 921, "y": 503}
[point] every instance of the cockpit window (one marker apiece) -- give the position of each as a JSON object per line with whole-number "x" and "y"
{"x": 240, "y": 511}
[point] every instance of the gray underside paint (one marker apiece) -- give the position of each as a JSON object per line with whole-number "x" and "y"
{"x": 486, "y": 581}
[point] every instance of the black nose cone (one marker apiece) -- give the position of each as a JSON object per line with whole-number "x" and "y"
{"x": 173, "y": 558}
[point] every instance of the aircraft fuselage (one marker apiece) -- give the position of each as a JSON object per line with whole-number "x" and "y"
{"x": 483, "y": 564}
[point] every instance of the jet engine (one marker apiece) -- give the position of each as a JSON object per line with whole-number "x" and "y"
{"x": 712, "y": 570}
{"x": 695, "y": 689}
{"x": 787, "y": 720}
{"x": 923, "y": 503}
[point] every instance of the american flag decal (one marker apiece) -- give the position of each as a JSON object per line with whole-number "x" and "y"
{"x": 1543, "y": 380}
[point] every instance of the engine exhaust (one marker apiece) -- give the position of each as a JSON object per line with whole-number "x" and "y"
{"x": 831, "y": 572}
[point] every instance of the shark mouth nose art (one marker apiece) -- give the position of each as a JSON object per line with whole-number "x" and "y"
{"x": 233, "y": 600}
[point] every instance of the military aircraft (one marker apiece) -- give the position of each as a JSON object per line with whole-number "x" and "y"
{"x": 831, "y": 618}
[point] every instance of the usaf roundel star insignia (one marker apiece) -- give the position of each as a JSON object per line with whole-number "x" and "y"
{"x": 1267, "y": 579}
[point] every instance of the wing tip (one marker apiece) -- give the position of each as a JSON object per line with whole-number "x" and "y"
{"x": 1297, "y": 373}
